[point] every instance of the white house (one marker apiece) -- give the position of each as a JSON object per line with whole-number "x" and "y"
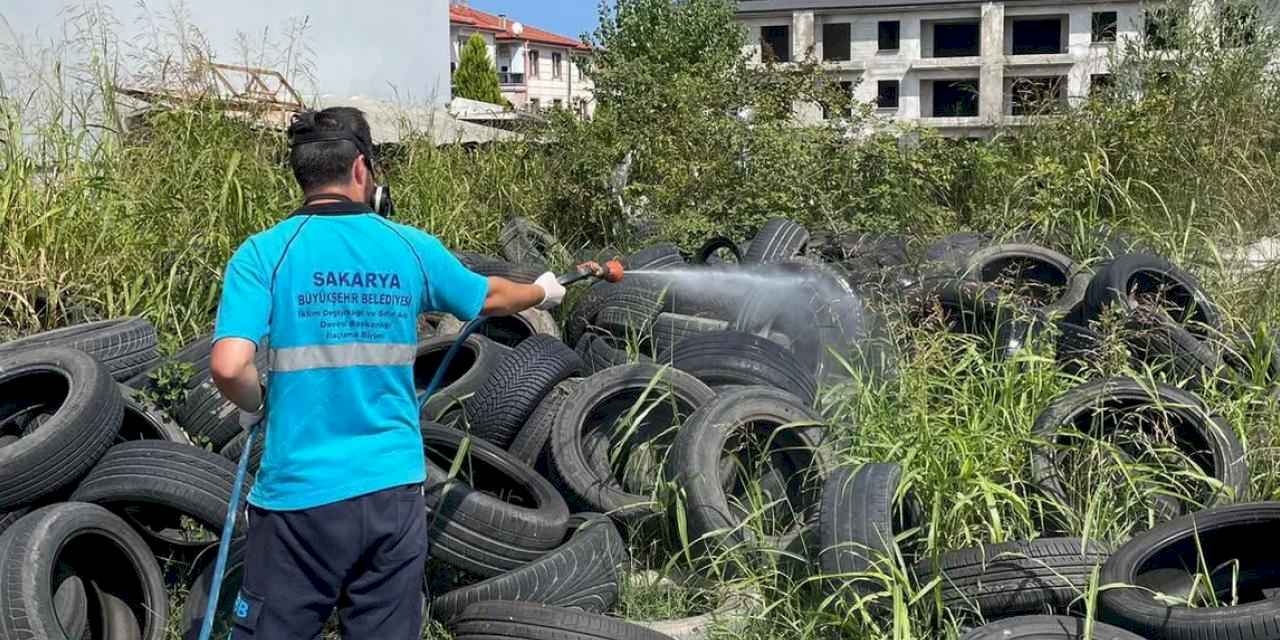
{"x": 537, "y": 69}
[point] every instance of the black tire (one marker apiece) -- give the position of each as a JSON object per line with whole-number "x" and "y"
{"x": 526, "y": 621}
{"x": 860, "y": 252}
{"x": 525, "y": 241}
{"x": 860, "y": 516}
{"x": 593, "y": 409}
{"x": 524, "y": 273}
{"x": 197, "y": 600}
{"x": 830, "y": 329}
{"x": 143, "y": 420}
{"x": 670, "y": 329}
{"x": 530, "y": 443}
{"x": 1206, "y": 441}
{"x": 154, "y": 484}
{"x": 234, "y": 448}
{"x": 950, "y": 252}
{"x": 1000, "y": 580}
{"x": 478, "y": 532}
{"x": 71, "y": 606}
{"x": 94, "y": 545}
{"x": 1229, "y": 542}
{"x": 1154, "y": 340}
{"x": 1048, "y": 628}
{"x": 1043, "y": 277}
{"x": 778, "y": 432}
{"x": 1126, "y": 280}
{"x": 125, "y": 346}
{"x": 708, "y": 253}
{"x": 508, "y": 331}
{"x": 207, "y": 416}
{"x": 734, "y": 358}
{"x": 778, "y": 240}
{"x": 500, "y": 407}
{"x": 630, "y": 311}
{"x": 598, "y": 354}
{"x": 654, "y": 257}
{"x": 583, "y": 573}
{"x": 584, "y": 311}
{"x": 52, "y": 455}
{"x": 478, "y": 357}
{"x": 1079, "y": 348}
{"x": 118, "y": 621}
{"x": 974, "y": 308}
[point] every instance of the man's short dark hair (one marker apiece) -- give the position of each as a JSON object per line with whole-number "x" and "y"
{"x": 322, "y": 164}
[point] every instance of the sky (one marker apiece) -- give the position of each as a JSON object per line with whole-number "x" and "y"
{"x": 565, "y": 17}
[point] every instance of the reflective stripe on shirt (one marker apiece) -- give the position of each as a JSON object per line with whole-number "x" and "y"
{"x": 359, "y": 354}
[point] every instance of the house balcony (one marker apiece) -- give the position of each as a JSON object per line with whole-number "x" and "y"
{"x": 511, "y": 79}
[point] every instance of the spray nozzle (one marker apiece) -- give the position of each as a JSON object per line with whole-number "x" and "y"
{"x": 610, "y": 271}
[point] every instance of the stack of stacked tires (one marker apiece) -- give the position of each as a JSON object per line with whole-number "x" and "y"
{"x": 105, "y": 503}
{"x": 687, "y": 418}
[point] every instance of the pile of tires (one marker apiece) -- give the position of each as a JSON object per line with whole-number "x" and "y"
{"x": 679, "y": 408}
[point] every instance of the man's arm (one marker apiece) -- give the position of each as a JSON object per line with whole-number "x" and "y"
{"x": 234, "y": 373}
{"x": 243, "y": 317}
{"x": 506, "y": 298}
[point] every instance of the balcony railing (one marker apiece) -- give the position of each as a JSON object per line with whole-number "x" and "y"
{"x": 510, "y": 78}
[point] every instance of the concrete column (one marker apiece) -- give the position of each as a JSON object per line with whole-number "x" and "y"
{"x": 991, "y": 78}
{"x": 802, "y": 36}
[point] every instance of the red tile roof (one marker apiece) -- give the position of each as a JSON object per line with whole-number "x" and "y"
{"x": 464, "y": 15}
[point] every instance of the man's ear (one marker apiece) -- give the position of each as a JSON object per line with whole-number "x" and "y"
{"x": 359, "y": 170}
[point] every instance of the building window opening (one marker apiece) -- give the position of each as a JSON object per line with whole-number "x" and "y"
{"x": 1101, "y": 85}
{"x": 955, "y": 39}
{"x": 955, "y": 98}
{"x": 1034, "y": 96}
{"x": 835, "y": 41}
{"x": 535, "y": 70}
{"x": 775, "y": 44}
{"x": 889, "y": 34}
{"x": 1239, "y": 25}
{"x": 557, "y": 62}
{"x": 887, "y": 94}
{"x": 1161, "y": 28}
{"x": 1038, "y": 36}
{"x": 1105, "y": 25}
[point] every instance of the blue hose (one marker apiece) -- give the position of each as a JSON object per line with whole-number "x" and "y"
{"x": 233, "y": 507}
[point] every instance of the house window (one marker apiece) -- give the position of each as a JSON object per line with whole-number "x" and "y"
{"x": 955, "y": 98}
{"x": 846, "y": 95}
{"x": 1104, "y": 26}
{"x": 556, "y": 61}
{"x": 887, "y": 94}
{"x": 835, "y": 41}
{"x": 1239, "y": 25}
{"x": 1032, "y": 96}
{"x": 890, "y": 32}
{"x": 1161, "y": 28}
{"x": 534, "y": 71}
{"x": 775, "y": 44}
{"x": 1101, "y": 84}
{"x": 955, "y": 39}
{"x": 1037, "y": 36}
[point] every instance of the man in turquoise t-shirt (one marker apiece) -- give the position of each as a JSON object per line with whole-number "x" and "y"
{"x": 336, "y": 512}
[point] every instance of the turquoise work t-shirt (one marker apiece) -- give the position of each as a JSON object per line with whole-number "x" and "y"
{"x": 338, "y": 289}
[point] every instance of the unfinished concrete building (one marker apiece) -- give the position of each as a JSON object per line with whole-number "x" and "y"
{"x": 962, "y": 66}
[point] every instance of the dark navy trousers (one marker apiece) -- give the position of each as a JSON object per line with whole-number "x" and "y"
{"x": 364, "y": 556}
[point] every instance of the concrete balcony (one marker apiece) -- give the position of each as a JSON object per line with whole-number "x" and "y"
{"x": 948, "y": 64}
{"x": 1039, "y": 60}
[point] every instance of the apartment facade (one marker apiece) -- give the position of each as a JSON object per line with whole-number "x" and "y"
{"x": 962, "y": 67}
{"x": 537, "y": 69}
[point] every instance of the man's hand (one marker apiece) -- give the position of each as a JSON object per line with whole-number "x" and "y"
{"x": 552, "y": 291}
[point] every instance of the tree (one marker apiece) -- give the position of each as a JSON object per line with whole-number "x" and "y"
{"x": 476, "y": 78}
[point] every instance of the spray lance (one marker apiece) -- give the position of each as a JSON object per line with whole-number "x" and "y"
{"x": 610, "y": 271}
